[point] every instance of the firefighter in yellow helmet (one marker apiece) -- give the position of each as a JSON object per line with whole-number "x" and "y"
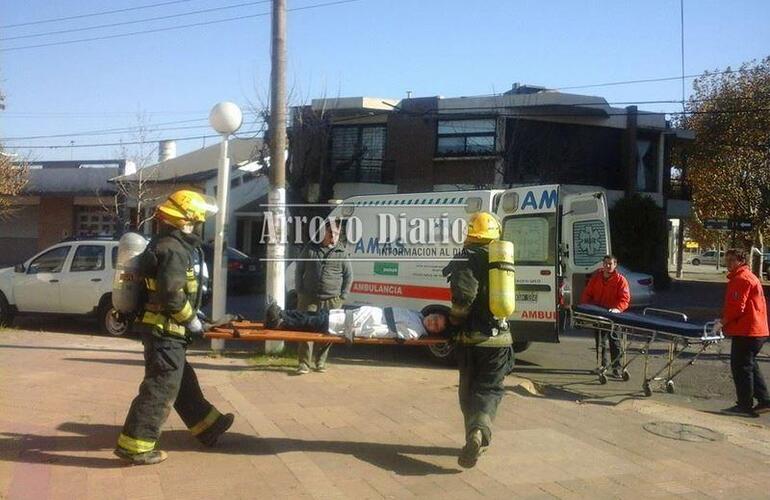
{"x": 173, "y": 267}
{"x": 484, "y": 351}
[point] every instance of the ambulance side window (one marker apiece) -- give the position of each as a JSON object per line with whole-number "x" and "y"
{"x": 533, "y": 237}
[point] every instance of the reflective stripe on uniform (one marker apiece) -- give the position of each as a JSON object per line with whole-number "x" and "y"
{"x": 185, "y": 314}
{"x": 192, "y": 282}
{"x": 135, "y": 446}
{"x": 206, "y": 422}
{"x": 163, "y": 323}
{"x": 152, "y": 284}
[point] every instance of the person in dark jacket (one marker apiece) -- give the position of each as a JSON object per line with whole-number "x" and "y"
{"x": 484, "y": 349}
{"x": 744, "y": 319}
{"x": 173, "y": 269}
{"x": 322, "y": 278}
{"x": 609, "y": 289}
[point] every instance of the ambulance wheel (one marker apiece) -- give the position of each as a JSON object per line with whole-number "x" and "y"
{"x": 109, "y": 320}
{"x": 670, "y": 387}
{"x": 647, "y": 389}
{"x": 521, "y": 346}
{"x": 602, "y": 378}
{"x": 6, "y": 314}
{"x": 443, "y": 353}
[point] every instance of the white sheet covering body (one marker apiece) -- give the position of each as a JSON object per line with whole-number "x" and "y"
{"x": 369, "y": 322}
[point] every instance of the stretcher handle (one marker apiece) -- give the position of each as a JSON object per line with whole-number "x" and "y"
{"x": 707, "y": 330}
{"x": 678, "y": 314}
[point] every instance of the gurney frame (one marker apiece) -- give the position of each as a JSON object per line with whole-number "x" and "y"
{"x": 630, "y": 335}
{"x": 256, "y": 332}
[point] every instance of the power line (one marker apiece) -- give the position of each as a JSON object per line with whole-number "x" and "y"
{"x": 170, "y": 28}
{"x": 646, "y": 80}
{"x": 132, "y": 143}
{"x": 93, "y": 14}
{"x": 136, "y": 21}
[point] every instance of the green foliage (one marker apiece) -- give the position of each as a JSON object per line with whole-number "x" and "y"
{"x": 640, "y": 236}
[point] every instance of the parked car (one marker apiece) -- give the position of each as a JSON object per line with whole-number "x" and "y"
{"x": 766, "y": 266}
{"x": 244, "y": 273}
{"x": 709, "y": 258}
{"x": 641, "y": 285}
{"x": 69, "y": 278}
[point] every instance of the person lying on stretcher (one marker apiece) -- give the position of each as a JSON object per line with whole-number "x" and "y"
{"x": 362, "y": 322}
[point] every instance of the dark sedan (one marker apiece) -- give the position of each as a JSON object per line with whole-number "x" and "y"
{"x": 244, "y": 273}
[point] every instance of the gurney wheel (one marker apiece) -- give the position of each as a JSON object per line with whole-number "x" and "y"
{"x": 602, "y": 378}
{"x": 626, "y": 376}
{"x": 647, "y": 389}
{"x": 670, "y": 387}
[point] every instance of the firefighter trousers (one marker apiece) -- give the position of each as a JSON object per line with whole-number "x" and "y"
{"x": 481, "y": 388}
{"x": 169, "y": 380}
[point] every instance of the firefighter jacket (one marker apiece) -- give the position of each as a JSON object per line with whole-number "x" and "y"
{"x": 468, "y": 276}
{"x": 745, "y": 309}
{"x": 612, "y": 293}
{"x": 173, "y": 265}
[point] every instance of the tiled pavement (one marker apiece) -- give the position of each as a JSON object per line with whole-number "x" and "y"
{"x": 357, "y": 431}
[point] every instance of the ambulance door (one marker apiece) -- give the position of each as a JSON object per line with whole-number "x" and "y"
{"x": 585, "y": 239}
{"x": 529, "y": 221}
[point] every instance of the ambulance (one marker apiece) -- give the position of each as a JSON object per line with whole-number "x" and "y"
{"x": 398, "y": 245}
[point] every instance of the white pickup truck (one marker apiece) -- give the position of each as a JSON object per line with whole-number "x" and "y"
{"x": 68, "y": 278}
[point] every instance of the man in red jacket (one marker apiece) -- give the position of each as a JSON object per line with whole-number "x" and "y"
{"x": 744, "y": 318}
{"x": 608, "y": 288}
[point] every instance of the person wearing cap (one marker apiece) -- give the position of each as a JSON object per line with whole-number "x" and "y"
{"x": 484, "y": 351}
{"x": 173, "y": 271}
{"x": 323, "y": 277}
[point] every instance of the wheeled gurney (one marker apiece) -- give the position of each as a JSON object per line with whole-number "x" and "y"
{"x": 256, "y": 332}
{"x": 642, "y": 330}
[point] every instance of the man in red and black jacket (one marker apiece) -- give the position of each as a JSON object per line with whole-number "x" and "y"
{"x": 744, "y": 318}
{"x": 608, "y": 288}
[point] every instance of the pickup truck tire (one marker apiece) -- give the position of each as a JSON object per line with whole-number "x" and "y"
{"x": 6, "y": 314}
{"x": 109, "y": 322}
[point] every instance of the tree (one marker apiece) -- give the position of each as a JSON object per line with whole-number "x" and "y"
{"x": 13, "y": 178}
{"x": 729, "y": 161}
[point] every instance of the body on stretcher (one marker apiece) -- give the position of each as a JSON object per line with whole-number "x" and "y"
{"x": 642, "y": 330}
{"x": 256, "y": 332}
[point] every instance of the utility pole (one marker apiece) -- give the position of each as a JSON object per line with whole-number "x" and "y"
{"x": 276, "y": 250}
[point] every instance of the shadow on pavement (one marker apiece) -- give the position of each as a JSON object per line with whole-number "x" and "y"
{"x": 90, "y": 438}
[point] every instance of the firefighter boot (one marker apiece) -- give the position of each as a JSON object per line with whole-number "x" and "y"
{"x": 210, "y": 436}
{"x": 472, "y": 449}
{"x": 150, "y": 458}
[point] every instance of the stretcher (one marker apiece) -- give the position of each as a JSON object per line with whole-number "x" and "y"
{"x": 256, "y": 332}
{"x": 640, "y": 331}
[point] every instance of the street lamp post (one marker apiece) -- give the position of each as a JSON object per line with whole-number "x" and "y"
{"x": 225, "y": 118}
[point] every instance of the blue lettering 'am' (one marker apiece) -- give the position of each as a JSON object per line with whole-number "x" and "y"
{"x": 548, "y": 199}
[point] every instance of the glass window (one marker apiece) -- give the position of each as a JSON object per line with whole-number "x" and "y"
{"x": 50, "y": 262}
{"x": 357, "y": 153}
{"x": 466, "y": 137}
{"x": 115, "y": 257}
{"x": 88, "y": 258}
{"x": 533, "y": 239}
{"x": 589, "y": 242}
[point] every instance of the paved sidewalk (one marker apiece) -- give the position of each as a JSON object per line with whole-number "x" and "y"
{"x": 357, "y": 431}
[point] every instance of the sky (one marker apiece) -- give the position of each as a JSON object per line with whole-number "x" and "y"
{"x": 381, "y": 48}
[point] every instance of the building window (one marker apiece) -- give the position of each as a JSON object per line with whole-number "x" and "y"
{"x": 466, "y": 137}
{"x": 357, "y": 153}
{"x": 94, "y": 221}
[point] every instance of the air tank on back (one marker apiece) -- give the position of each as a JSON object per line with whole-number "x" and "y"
{"x": 128, "y": 283}
{"x": 502, "y": 281}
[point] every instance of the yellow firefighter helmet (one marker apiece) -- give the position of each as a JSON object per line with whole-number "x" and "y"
{"x": 483, "y": 227}
{"x": 185, "y": 206}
